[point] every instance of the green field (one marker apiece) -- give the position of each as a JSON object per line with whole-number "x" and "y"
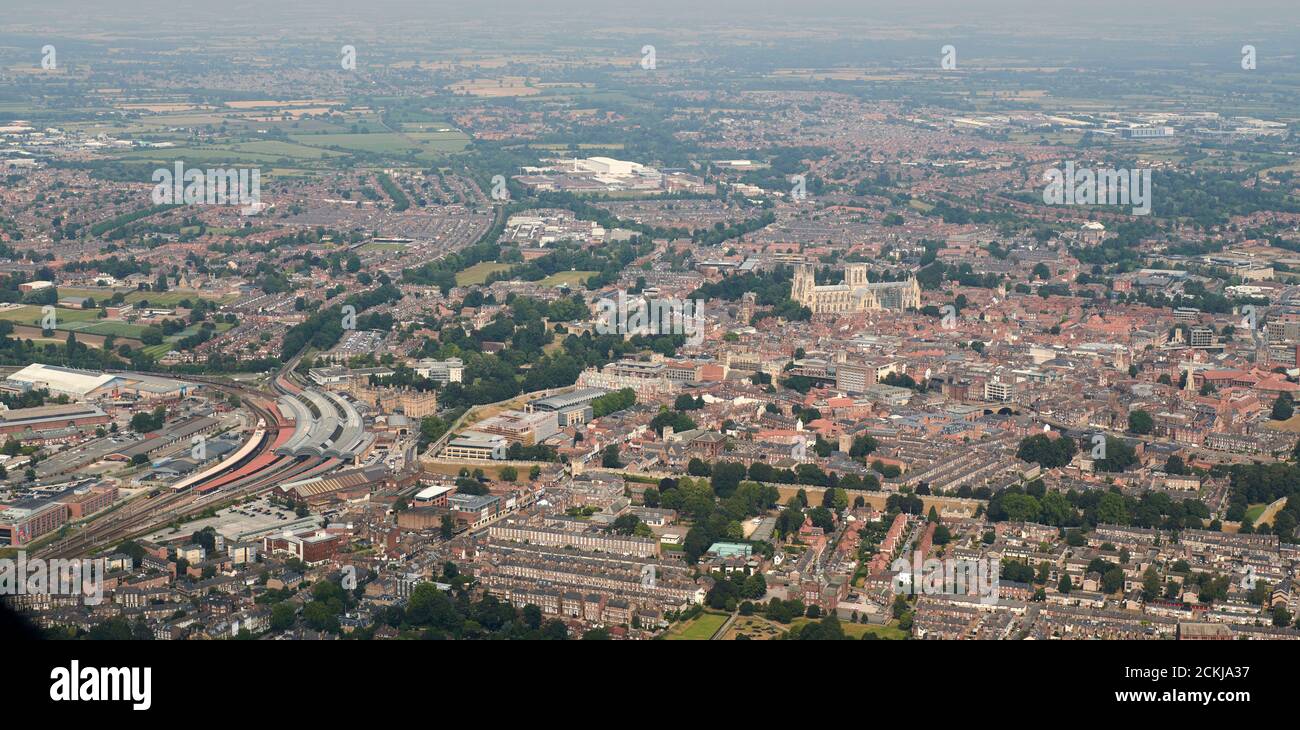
{"x": 424, "y": 145}
{"x": 119, "y": 329}
{"x": 286, "y": 149}
{"x": 1254, "y": 511}
{"x": 857, "y": 631}
{"x": 218, "y": 156}
{"x": 700, "y": 628}
{"x": 384, "y": 143}
{"x": 478, "y": 273}
{"x": 31, "y": 314}
{"x": 159, "y": 299}
{"x": 571, "y": 279}
{"x": 451, "y": 141}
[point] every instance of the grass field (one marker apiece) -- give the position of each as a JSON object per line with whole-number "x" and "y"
{"x": 478, "y": 273}
{"x": 1291, "y": 425}
{"x": 450, "y": 141}
{"x": 700, "y": 628}
{"x": 161, "y": 299}
{"x": 384, "y": 143}
{"x": 119, "y": 329}
{"x": 570, "y": 278}
{"x": 214, "y": 156}
{"x": 1254, "y": 511}
{"x": 31, "y": 314}
{"x": 285, "y": 149}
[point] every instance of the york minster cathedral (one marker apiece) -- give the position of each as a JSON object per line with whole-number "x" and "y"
{"x": 856, "y": 294}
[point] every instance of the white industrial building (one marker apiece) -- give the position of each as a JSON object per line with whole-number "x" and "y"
{"x": 62, "y": 381}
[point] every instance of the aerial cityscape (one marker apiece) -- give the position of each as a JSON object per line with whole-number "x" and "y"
{"x": 649, "y": 322}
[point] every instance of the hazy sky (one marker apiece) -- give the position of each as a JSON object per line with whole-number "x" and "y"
{"x": 1102, "y": 16}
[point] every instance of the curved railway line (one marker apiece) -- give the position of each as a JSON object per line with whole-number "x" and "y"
{"x": 255, "y": 471}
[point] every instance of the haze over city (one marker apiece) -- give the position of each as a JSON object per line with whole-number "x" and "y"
{"x": 649, "y": 321}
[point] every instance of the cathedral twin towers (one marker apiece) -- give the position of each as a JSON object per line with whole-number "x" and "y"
{"x": 856, "y": 294}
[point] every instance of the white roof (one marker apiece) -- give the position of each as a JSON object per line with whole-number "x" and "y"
{"x": 60, "y": 379}
{"x": 430, "y": 492}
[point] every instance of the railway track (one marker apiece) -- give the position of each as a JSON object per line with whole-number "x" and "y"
{"x": 227, "y": 484}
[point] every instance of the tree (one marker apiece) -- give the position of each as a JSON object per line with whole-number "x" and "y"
{"x": 1281, "y": 616}
{"x": 1021, "y": 507}
{"x": 1046, "y": 451}
{"x": 1282, "y": 408}
{"x": 508, "y": 474}
{"x": 282, "y": 616}
{"x": 823, "y": 518}
{"x": 609, "y": 457}
{"x": 1112, "y": 580}
{"x": 1111, "y": 509}
{"x": 726, "y": 477}
{"x": 1119, "y": 456}
{"x": 698, "y": 468}
{"x": 862, "y": 446}
{"x": 1151, "y": 584}
{"x": 625, "y": 524}
{"x": 532, "y": 616}
{"x": 1140, "y": 422}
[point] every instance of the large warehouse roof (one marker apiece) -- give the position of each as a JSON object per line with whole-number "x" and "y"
{"x": 62, "y": 380}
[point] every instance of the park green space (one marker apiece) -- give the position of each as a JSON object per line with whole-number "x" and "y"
{"x": 478, "y": 273}
{"x": 700, "y": 628}
{"x": 568, "y": 278}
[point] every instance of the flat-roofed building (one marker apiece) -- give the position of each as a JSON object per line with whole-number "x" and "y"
{"x": 433, "y": 496}
{"x": 48, "y": 418}
{"x": 87, "y": 500}
{"x": 65, "y": 381}
{"x": 480, "y": 446}
{"x": 26, "y": 521}
{"x": 570, "y": 408}
{"x": 473, "y": 510}
{"x": 520, "y": 427}
{"x": 446, "y": 371}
